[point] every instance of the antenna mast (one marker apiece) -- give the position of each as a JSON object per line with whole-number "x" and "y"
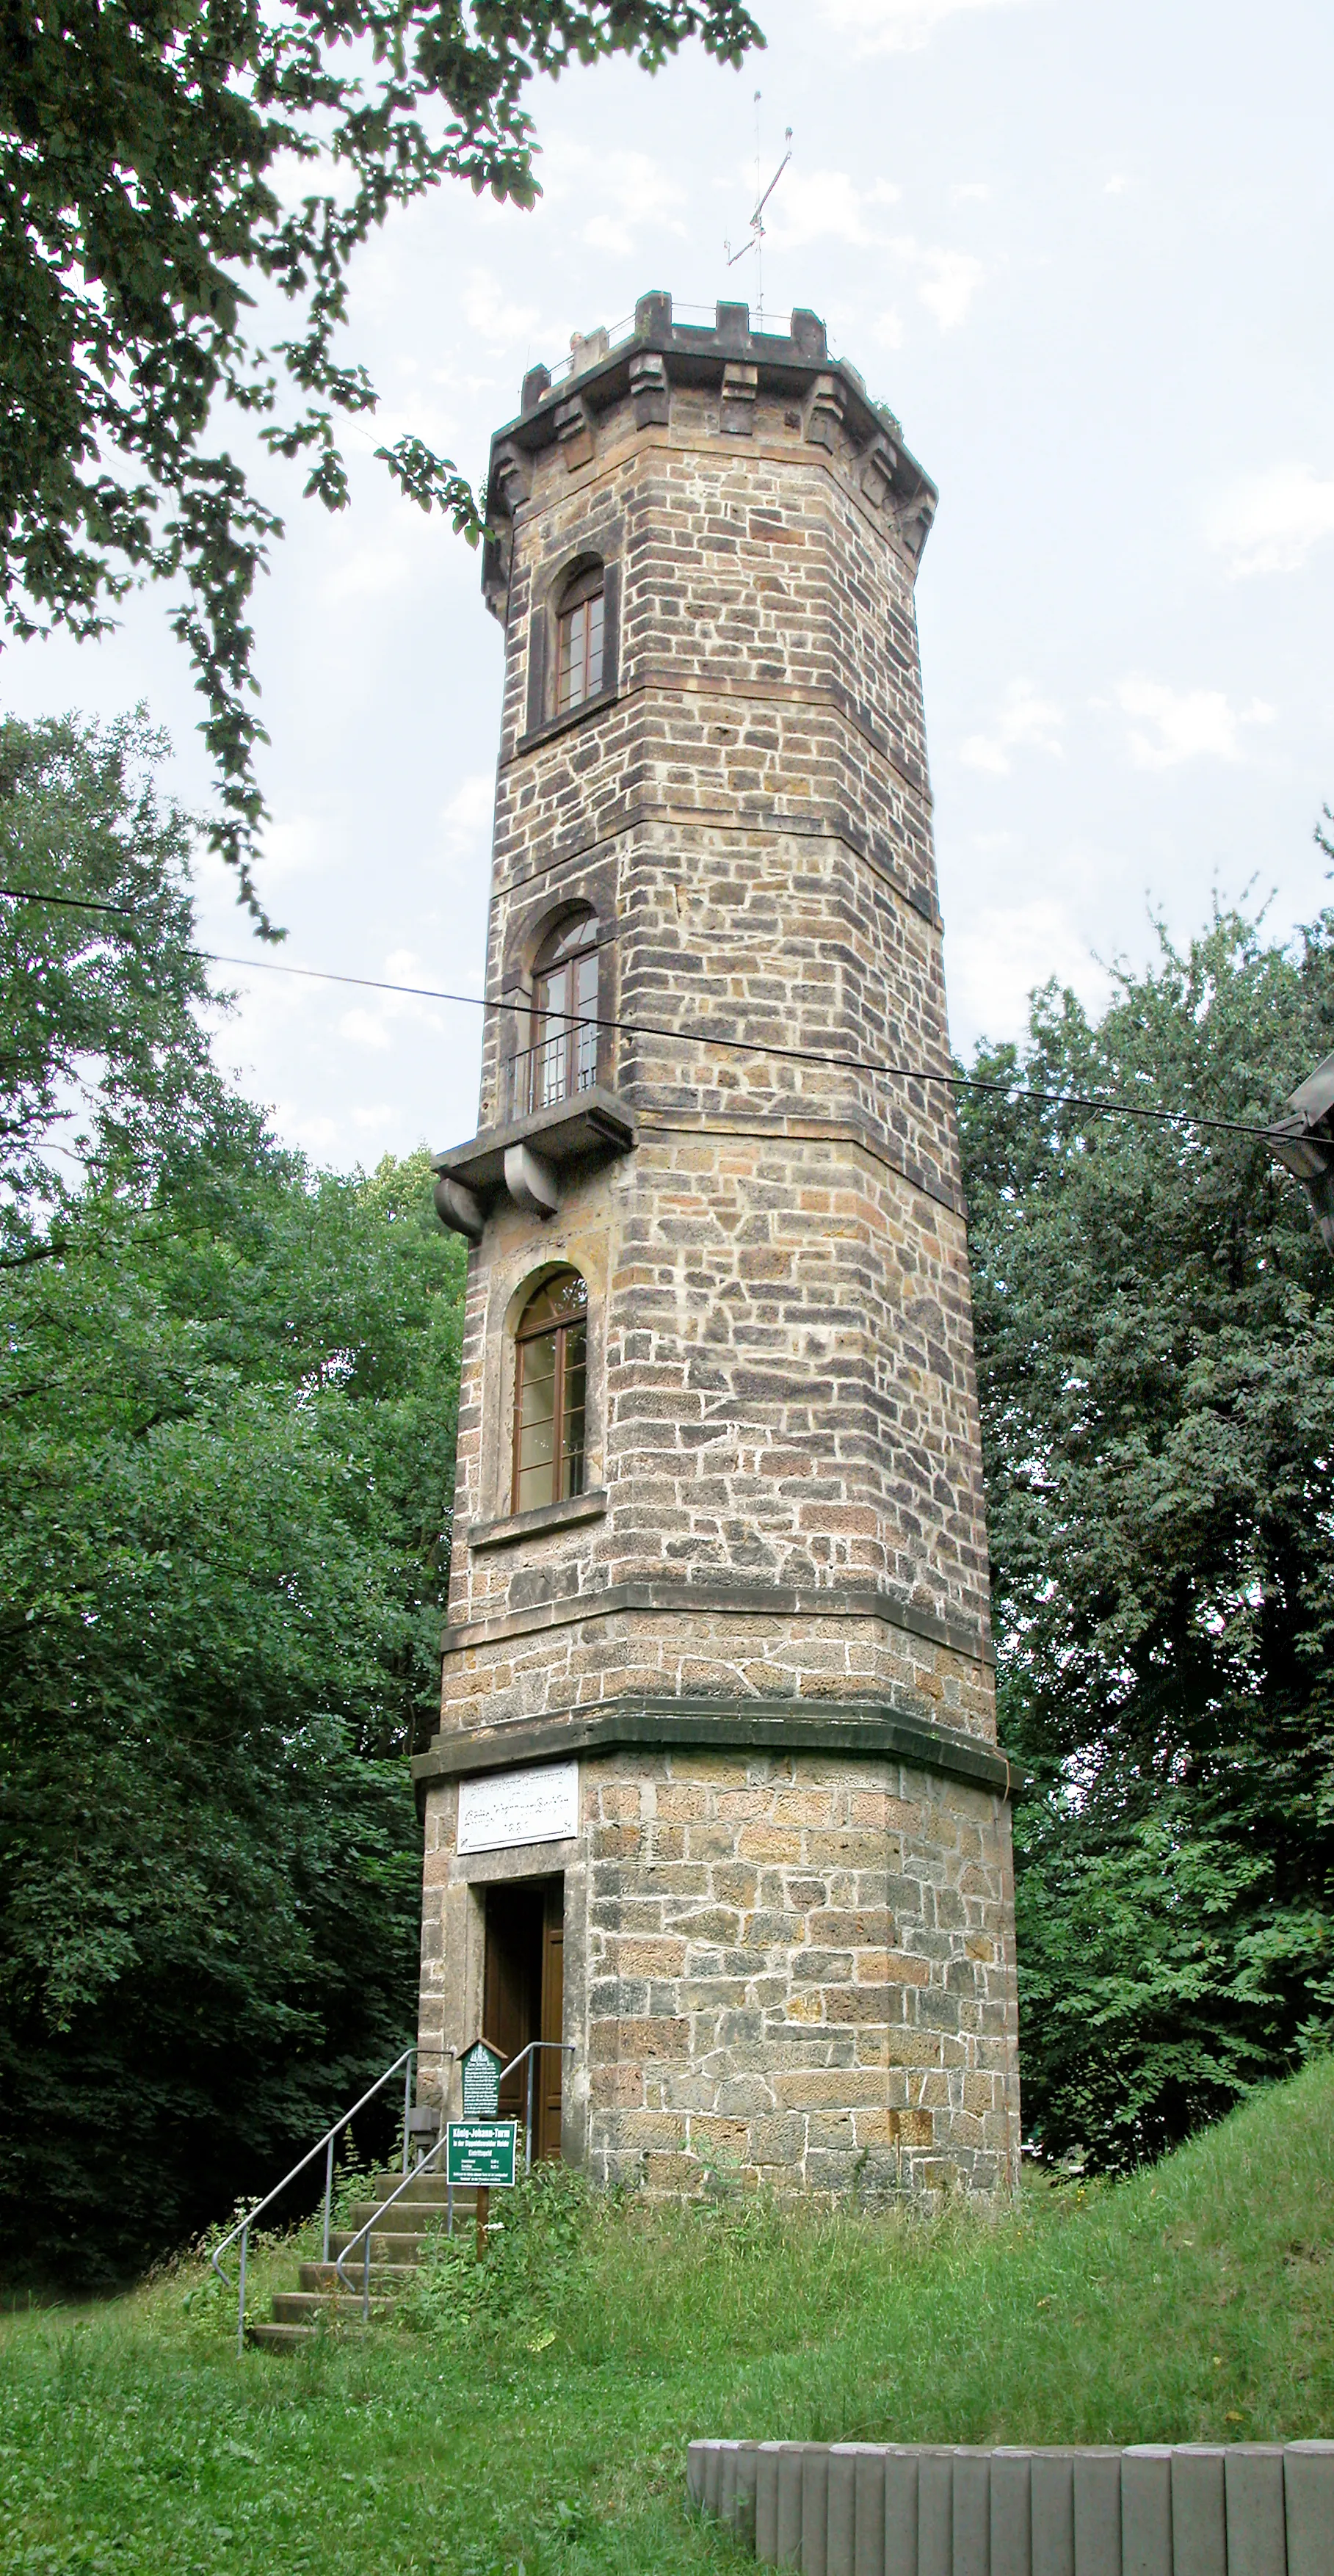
{"x": 756, "y": 241}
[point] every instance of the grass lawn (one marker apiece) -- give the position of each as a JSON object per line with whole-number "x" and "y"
{"x": 535, "y": 2415}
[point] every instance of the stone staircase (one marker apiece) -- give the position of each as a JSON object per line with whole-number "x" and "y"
{"x": 321, "y": 2300}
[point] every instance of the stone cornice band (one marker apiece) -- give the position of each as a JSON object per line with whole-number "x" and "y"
{"x": 784, "y": 1726}
{"x": 727, "y": 1600}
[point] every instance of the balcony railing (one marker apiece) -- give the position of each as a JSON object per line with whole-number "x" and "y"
{"x": 559, "y": 1068}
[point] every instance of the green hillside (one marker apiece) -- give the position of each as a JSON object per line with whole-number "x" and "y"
{"x": 536, "y": 2415}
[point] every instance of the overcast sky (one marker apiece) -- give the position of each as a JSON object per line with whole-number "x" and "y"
{"x": 1084, "y": 253}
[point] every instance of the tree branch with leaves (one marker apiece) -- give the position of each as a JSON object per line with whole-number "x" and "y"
{"x": 146, "y": 152}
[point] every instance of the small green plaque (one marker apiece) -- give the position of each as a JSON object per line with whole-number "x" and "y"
{"x": 480, "y": 2154}
{"x": 480, "y": 2066}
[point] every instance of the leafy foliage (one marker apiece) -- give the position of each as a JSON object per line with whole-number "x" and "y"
{"x": 228, "y": 1400}
{"x": 151, "y": 158}
{"x": 102, "y": 1049}
{"x": 1155, "y": 1322}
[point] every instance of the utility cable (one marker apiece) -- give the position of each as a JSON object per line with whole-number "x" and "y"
{"x": 70, "y": 902}
{"x": 1016, "y": 1091}
{"x": 756, "y": 1046}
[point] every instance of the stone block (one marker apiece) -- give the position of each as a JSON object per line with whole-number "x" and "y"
{"x": 1011, "y": 2525}
{"x": 814, "y": 2508}
{"x": 970, "y": 2510}
{"x": 1146, "y": 2510}
{"x": 1255, "y": 2505}
{"x": 900, "y": 2537}
{"x": 1199, "y": 2514}
{"x": 1097, "y": 2513}
{"x": 935, "y": 2513}
{"x": 1308, "y": 2487}
{"x": 1051, "y": 2479}
{"x": 841, "y": 2511}
{"x": 788, "y": 2518}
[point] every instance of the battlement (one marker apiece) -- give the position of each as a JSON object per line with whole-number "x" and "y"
{"x": 783, "y": 383}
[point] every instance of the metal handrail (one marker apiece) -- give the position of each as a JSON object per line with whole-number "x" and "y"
{"x": 376, "y": 2220}
{"x": 244, "y": 2225}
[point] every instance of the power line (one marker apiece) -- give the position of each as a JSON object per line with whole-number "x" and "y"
{"x": 71, "y": 902}
{"x": 1016, "y": 1091}
{"x": 756, "y": 1046}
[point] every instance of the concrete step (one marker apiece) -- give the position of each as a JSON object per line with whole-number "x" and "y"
{"x": 424, "y": 2186}
{"x": 406, "y": 2218}
{"x": 388, "y": 2245}
{"x": 275, "y": 2338}
{"x": 302, "y": 2307}
{"x": 324, "y": 2300}
{"x": 323, "y": 2276}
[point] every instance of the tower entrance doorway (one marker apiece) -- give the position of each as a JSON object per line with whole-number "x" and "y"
{"x": 523, "y": 1997}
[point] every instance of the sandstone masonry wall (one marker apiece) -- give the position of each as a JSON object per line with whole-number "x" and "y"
{"x": 803, "y": 1959}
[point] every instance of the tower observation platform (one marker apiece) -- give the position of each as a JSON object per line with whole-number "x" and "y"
{"x": 715, "y": 1799}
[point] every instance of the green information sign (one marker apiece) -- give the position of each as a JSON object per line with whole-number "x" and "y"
{"x": 480, "y": 2067}
{"x": 479, "y": 2154}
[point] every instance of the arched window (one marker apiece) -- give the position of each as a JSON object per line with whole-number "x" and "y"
{"x": 579, "y": 630}
{"x": 550, "y": 1393}
{"x": 563, "y": 1056}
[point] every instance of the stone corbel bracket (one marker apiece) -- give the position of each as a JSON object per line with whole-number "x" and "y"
{"x": 526, "y": 1161}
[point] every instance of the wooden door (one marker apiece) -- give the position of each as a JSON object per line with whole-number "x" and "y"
{"x": 523, "y": 1996}
{"x": 512, "y": 1992}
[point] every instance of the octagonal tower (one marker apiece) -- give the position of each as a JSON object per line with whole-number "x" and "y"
{"x": 716, "y": 1800}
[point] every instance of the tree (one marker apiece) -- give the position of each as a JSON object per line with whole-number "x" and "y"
{"x": 229, "y": 1417}
{"x": 227, "y": 1392}
{"x": 103, "y": 1053}
{"x": 148, "y": 154}
{"x": 1155, "y": 1325}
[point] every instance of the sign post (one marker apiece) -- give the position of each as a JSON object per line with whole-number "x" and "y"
{"x": 479, "y": 2156}
{"x": 480, "y": 2068}
{"x": 479, "y": 2148}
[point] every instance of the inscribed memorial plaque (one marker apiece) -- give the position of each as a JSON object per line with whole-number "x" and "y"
{"x": 538, "y": 1805}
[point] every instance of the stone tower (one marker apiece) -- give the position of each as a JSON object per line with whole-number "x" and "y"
{"x": 715, "y": 1799}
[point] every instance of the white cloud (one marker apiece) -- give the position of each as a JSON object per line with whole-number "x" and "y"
{"x": 827, "y": 205}
{"x": 897, "y": 26}
{"x": 1001, "y": 954}
{"x": 1117, "y": 185}
{"x": 466, "y": 815}
{"x": 487, "y": 311}
{"x": 372, "y": 572}
{"x": 1186, "y": 724}
{"x": 951, "y": 281}
{"x": 624, "y": 193}
{"x": 887, "y": 328}
{"x": 970, "y": 191}
{"x": 1026, "y": 722}
{"x": 363, "y": 1028}
{"x": 1270, "y": 522}
{"x": 947, "y": 280}
{"x": 294, "y": 848}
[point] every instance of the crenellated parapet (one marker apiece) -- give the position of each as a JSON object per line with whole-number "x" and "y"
{"x": 778, "y": 389}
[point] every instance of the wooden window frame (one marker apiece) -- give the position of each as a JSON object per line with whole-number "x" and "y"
{"x": 576, "y": 1031}
{"x": 543, "y": 712}
{"x": 561, "y": 1333}
{"x": 576, "y": 603}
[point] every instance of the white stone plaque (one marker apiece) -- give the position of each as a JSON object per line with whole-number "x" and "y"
{"x": 540, "y": 1805}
